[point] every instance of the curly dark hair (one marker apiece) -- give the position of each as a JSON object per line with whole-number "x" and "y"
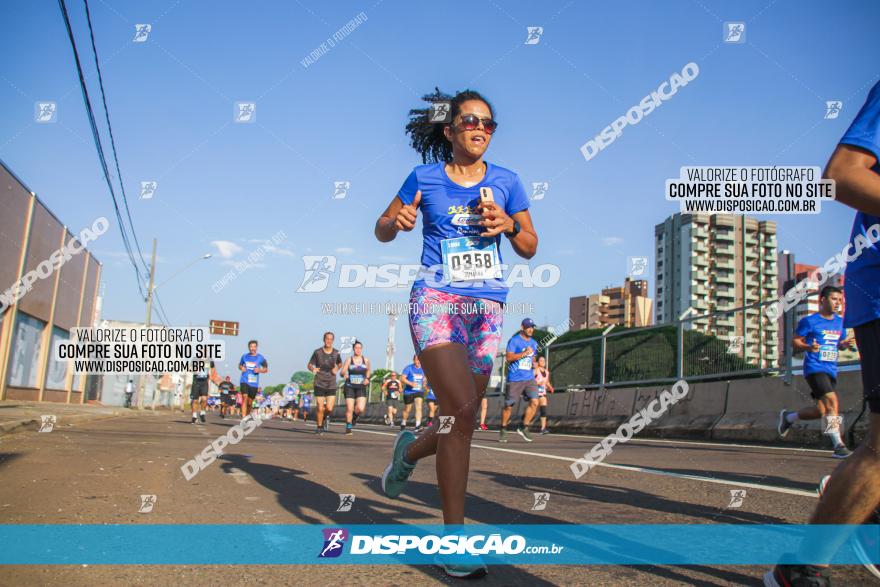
{"x": 427, "y": 137}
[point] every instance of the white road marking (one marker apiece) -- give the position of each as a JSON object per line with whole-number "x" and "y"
{"x": 240, "y": 476}
{"x": 698, "y": 443}
{"x": 634, "y": 469}
{"x": 664, "y": 441}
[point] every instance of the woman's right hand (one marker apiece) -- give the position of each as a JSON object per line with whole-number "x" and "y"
{"x": 408, "y": 214}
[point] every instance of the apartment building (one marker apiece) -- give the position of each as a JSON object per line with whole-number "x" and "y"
{"x": 715, "y": 263}
{"x": 628, "y": 305}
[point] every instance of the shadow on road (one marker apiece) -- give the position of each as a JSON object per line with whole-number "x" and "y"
{"x": 629, "y": 497}
{"x": 8, "y": 457}
{"x": 304, "y": 498}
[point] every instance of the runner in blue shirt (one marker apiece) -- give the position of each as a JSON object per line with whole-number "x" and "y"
{"x": 456, "y": 321}
{"x": 431, "y": 400}
{"x": 852, "y": 495}
{"x": 291, "y": 396}
{"x": 520, "y": 356}
{"x": 821, "y": 336}
{"x": 251, "y": 365}
{"x": 413, "y": 377}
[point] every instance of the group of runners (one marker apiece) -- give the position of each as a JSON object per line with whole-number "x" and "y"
{"x": 466, "y": 205}
{"x": 526, "y": 377}
{"x": 468, "y": 208}
{"x": 249, "y": 396}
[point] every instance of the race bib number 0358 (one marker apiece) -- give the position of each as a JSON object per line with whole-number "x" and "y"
{"x": 470, "y": 258}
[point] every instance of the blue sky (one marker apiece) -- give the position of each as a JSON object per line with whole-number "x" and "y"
{"x": 171, "y": 102}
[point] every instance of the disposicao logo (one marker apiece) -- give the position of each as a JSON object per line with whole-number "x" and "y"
{"x": 334, "y": 541}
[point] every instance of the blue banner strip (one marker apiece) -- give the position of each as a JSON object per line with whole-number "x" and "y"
{"x": 296, "y": 544}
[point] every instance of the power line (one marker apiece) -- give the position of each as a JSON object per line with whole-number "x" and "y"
{"x": 112, "y": 139}
{"x": 160, "y": 309}
{"x": 96, "y": 137}
{"x": 163, "y": 317}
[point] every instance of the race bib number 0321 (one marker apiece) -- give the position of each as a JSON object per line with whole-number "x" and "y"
{"x": 828, "y": 352}
{"x": 470, "y": 258}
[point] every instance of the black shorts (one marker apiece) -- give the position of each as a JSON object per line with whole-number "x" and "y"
{"x": 821, "y": 384}
{"x": 325, "y": 391}
{"x": 868, "y": 342}
{"x": 291, "y": 405}
{"x": 199, "y": 389}
{"x": 354, "y": 391}
{"x": 228, "y": 400}
{"x": 248, "y": 390}
{"x": 392, "y": 403}
{"x": 409, "y": 398}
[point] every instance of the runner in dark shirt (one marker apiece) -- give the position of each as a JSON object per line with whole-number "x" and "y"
{"x": 325, "y": 363}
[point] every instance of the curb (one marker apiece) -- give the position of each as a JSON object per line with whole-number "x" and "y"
{"x": 33, "y": 423}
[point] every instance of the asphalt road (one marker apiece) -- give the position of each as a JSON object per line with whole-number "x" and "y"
{"x": 284, "y": 474}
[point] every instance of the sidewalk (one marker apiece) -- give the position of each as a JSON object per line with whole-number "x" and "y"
{"x": 18, "y": 416}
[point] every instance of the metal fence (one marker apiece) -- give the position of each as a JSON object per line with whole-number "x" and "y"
{"x": 737, "y": 342}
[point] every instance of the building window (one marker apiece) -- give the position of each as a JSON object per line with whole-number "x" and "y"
{"x": 27, "y": 342}
{"x": 56, "y": 376}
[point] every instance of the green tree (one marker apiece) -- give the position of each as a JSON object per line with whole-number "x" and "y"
{"x": 303, "y": 377}
{"x": 379, "y": 374}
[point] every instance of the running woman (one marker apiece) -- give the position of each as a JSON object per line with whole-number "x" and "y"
{"x": 521, "y": 351}
{"x": 853, "y": 492}
{"x": 391, "y": 392}
{"x": 459, "y": 226}
{"x": 356, "y": 371}
{"x": 821, "y": 336}
{"x": 227, "y": 397}
{"x": 542, "y": 378}
{"x": 325, "y": 363}
{"x": 413, "y": 377}
{"x": 484, "y": 407}
{"x": 251, "y": 365}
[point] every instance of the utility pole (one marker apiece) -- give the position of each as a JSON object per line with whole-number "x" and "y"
{"x": 140, "y": 400}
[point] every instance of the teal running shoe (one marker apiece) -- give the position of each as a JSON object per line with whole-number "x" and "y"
{"x": 397, "y": 473}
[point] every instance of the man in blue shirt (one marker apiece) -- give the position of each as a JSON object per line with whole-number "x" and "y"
{"x": 521, "y": 353}
{"x": 251, "y": 365}
{"x": 852, "y": 494}
{"x": 413, "y": 391}
{"x": 821, "y": 336}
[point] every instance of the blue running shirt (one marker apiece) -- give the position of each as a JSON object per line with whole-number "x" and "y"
{"x": 448, "y": 213}
{"x": 828, "y": 333}
{"x": 416, "y": 375}
{"x": 863, "y": 273}
{"x": 521, "y": 369}
{"x": 250, "y": 363}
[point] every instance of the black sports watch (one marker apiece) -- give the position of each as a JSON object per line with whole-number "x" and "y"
{"x": 516, "y": 229}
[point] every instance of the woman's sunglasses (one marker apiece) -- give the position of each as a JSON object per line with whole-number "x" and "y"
{"x": 472, "y": 122}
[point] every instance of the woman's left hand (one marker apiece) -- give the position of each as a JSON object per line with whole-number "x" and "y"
{"x": 495, "y": 219}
